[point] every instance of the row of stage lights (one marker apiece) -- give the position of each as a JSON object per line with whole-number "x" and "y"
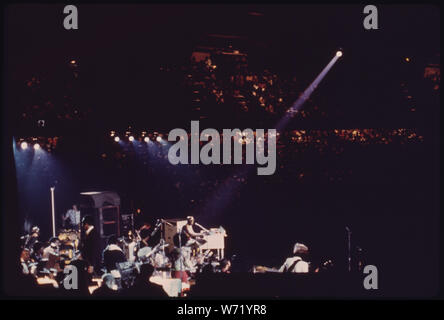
{"x": 37, "y": 143}
{"x": 155, "y": 136}
{"x": 24, "y": 145}
{"x": 131, "y": 138}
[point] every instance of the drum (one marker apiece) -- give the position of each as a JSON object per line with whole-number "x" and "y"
{"x": 143, "y": 254}
{"x": 159, "y": 260}
{"x": 66, "y": 251}
{"x": 68, "y": 235}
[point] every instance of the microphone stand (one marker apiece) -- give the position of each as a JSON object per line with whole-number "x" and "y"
{"x": 349, "y": 247}
{"x": 53, "y": 211}
{"x": 162, "y": 239}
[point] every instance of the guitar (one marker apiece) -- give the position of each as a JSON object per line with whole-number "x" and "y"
{"x": 262, "y": 269}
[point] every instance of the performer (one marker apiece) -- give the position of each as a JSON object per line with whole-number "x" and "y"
{"x": 52, "y": 248}
{"x": 89, "y": 242}
{"x": 25, "y": 260}
{"x": 296, "y": 263}
{"x": 182, "y": 263}
{"x": 71, "y": 219}
{"x": 225, "y": 266}
{"x": 142, "y": 235}
{"x": 113, "y": 254}
{"x": 145, "y": 235}
{"x": 190, "y": 236}
{"x": 32, "y": 238}
{"x": 37, "y": 251}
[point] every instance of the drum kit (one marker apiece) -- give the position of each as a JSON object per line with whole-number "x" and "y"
{"x": 69, "y": 244}
{"x": 52, "y": 261}
{"x": 136, "y": 256}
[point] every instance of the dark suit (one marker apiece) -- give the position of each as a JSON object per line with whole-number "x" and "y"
{"x": 90, "y": 248}
{"x": 111, "y": 257}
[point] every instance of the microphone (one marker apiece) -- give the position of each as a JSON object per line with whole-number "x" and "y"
{"x": 156, "y": 228}
{"x": 205, "y": 229}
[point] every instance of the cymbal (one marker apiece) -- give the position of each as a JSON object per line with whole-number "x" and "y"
{"x": 143, "y": 252}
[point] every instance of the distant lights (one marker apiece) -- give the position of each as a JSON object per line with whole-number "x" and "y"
{"x": 36, "y": 146}
{"x": 116, "y": 139}
{"x": 24, "y": 145}
{"x": 339, "y": 53}
{"x": 131, "y": 138}
{"x": 146, "y": 139}
{"x": 159, "y": 139}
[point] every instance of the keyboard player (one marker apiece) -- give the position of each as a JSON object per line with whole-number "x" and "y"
{"x": 191, "y": 237}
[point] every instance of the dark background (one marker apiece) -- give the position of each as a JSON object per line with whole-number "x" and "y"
{"x": 391, "y": 200}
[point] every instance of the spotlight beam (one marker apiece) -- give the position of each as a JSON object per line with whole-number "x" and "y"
{"x": 307, "y": 93}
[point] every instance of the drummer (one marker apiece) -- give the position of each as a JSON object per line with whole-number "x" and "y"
{"x": 52, "y": 248}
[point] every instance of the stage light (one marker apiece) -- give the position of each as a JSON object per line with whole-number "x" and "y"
{"x": 24, "y": 145}
{"x": 36, "y": 146}
{"x": 116, "y": 139}
{"x": 339, "y": 53}
{"x": 131, "y": 138}
{"x": 158, "y": 139}
{"x": 146, "y": 139}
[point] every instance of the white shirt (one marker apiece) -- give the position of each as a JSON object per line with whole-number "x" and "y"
{"x": 73, "y": 216}
{"x": 301, "y": 266}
